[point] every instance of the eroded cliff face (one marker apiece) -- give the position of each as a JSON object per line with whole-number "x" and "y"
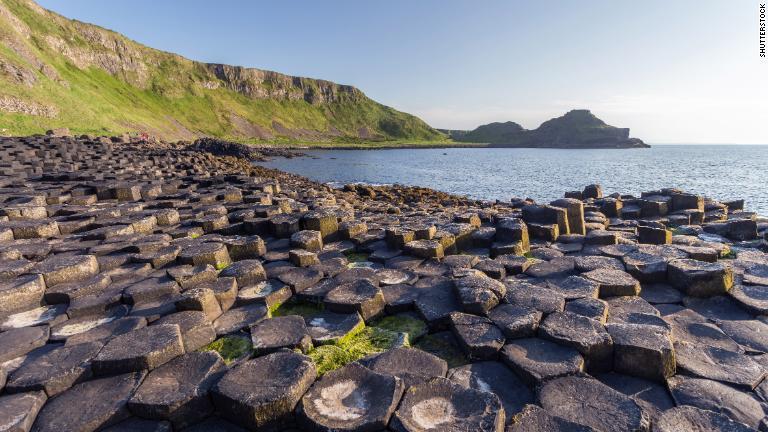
{"x": 65, "y": 73}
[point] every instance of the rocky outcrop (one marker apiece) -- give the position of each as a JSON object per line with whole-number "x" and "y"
{"x": 575, "y": 129}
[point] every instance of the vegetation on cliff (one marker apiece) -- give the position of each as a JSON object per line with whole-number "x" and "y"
{"x": 57, "y": 72}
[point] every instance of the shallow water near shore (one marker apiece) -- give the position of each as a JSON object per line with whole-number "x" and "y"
{"x": 718, "y": 171}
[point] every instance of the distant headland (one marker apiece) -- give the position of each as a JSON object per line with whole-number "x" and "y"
{"x": 577, "y": 129}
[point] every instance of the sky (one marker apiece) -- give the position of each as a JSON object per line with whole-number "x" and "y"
{"x": 683, "y": 71}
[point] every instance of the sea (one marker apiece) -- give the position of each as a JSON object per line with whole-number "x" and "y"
{"x": 722, "y": 172}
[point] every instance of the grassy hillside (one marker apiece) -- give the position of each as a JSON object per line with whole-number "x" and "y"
{"x": 56, "y": 72}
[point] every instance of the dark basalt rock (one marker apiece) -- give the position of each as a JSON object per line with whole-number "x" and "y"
{"x": 607, "y": 410}
{"x": 642, "y": 350}
{"x": 652, "y": 397}
{"x": 329, "y": 327}
{"x": 515, "y": 321}
{"x": 178, "y": 390}
{"x": 239, "y": 318}
{"x": 439, "y": 404}
{"x": 196, "y": 328}
{"x": 21, "y": 293}
{"x": 587, "y": 336}
{"x": 752, "y": 335}
{"x": 55, "y": 371}
{"x": 614, "y": 282}
{"x": 719, "y": 364}
{"x": 135, "y": 424}
{"x": 245, "y": 272}
{"x": 494, "y": 377}
{"x": 688, "y": 418}
{"x": 478, "y": 337}
{"x": 142, "y": 349}
{"x": 280, "y": 332}
{"x": 352, "y": 398}
{"x": 537, "y": 360}
{"x": 18, "y": 411}
{"x": 535, "y": 419}
{"x": 589, "y": 307}
{"x": 261, "y": 394}
{"x": 108, "y": 330}
{"x": 361, "y": 296}
{"x": 700, "y": 279}
{"x": 18, "y": 342}
{"x": 412, "y": 366}
{"x": 89, "y": 406}
{"x": 479, "y": 294}
{"x": 538, "y": 297}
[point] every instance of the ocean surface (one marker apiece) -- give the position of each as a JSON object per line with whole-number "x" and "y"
{"x": 717, "y": 171}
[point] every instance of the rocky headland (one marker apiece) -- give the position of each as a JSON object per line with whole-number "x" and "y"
{"x": 577, "y": 129}
{"x": 167, "y": 287}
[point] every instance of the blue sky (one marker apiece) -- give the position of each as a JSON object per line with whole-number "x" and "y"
{"x": 678, "y": 71}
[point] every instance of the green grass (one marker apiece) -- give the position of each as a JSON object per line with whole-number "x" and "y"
{"x": 302, "y": 309}
{"x": 230, "y": 348}
{"x": 413, "y": 327}
{"x": 170, "y": 101}
{"x": 368, "y": 341}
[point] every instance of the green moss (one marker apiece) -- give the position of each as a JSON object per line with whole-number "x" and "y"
{"x": 230, "y": 348}
{"x": 413, "y": 327}
{"x": 222, "y": 266}
{"x": 728, "y": 254}
{"x": 357, "y": 257}
{"x": 528, "y": 255}
{"x": 302, "y": 309}
{"x": 442, "y": 345}
{"x": 365, "y": 342}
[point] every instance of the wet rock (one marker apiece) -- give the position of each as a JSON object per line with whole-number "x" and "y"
{"x": 719, "y": 364}
{"x": 55, "y": 371}
{"x": 614, "y": 282}
{"x": 720, "y": 398}
{"x": 700, "y": 279}
{"x": 352, "y": 398}
{"x": 587, "y": 336}
{"x": 537, "y": 360}
{"x": 89, "y": 406}
{"x": 262, "y": 393}
{"x": 494, "y": 377}
{"x": 18, "y": 411}
{"x": 273, "y": 334}
{"x": 442, "y": 405}
{"x": 142, "y": 349}
{"x": 607, "y": 410}
{"x": 478, "y": 337}
{"x": 515, "y": 321}
{"x": 412, "y": 366}
{"x": 178, "y": 390}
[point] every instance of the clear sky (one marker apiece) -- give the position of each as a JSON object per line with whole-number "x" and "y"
{"x": 682, "y": 71}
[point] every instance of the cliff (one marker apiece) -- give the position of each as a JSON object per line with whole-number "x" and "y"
{"x": 575, "y": 129}
{"x": 57, "y": 72}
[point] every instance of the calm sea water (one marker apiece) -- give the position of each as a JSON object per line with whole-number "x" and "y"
{"x": 721, "y": 172}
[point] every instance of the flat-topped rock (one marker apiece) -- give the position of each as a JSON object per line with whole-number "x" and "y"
{"x": 586, "y": 335}
{"x": 719, "y": 364}
{"x": 497, "y": 378}
{"x": 18, "y": 342}
{"x": 412, "y": 366}
{"x": 60, "y": 269}
{"x": 329, "y": 327}
{"x": 262, "y": 393}
{"x": 699, "y": 278}
{"x": 55, "y": 371}
{"x": 690, "y": 418}
{"x": 478, "y": 336}
{"x": 18, "y": 411}
{"x": 537, "y": 360}
{"x": 273, "y": 334}
{"x": 479, "y": 294}
{"x": 361, "y": 296}
{"x": 142, "y": 349}
{"x": 614, "y": 282}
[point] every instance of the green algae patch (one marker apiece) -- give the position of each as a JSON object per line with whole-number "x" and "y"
{"x": 357, "y": 257}
{"x": 367, "y": 341}
{"x": 230, "y": 348}
{"x": 222, "y": 266}
{"x": 414, "y": 328}
{"x": 302, "y": 309}
{"x": 442, "y": 345}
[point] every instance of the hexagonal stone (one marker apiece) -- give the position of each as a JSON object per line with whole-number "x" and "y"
{"x": 59, "y": 269}
{"x": 273, "y": 334}
{"x": 239, "y": 318}
{"x": 196, "y": 328}
{"x": 178, "y": 390}
{"x": 200, "y": 299}
{"x": 246, "y": 272}
{"x": 270, "y": 293}
{"x": 700, "y": 279}
{"x": 425, "y": 248}
{"x": 360, "y": 296}
{"x": 149, "y": 290}
{"x": 514, "y": 264}
{"x": 145, "y": 348}
{"x": 18, "y": 342}
{"x": 592, "y": 308}
{"x": 308, "y": 240}
{"x": 351, "y": 398}
{"x": 134, "y": 424}
{"x": 89, "y": 406}
{"x": 714, "y": 396}
{"x": 51, "y": 315}
{"x": 261, "y": 394}
{"x": 324, "y": 221}
{"x": 688, "y": 418}
{"x": 614, "y": 282}
{"x": 645, "y": 351}
{"x": 215, "y": 254}
{"x": 301, "y": 278}
{"x": 18, "y": 411}
{"x": 67, "y": 292}
{"x": 478, "y": 337}
{"x": 479, "y": 294}
{"x": 21, "y": 293}
{"x": 575, "y": 287}
{"x": 750, "y": 334}
{"x": 103, "y": 331}
{"x": 515, "y": 321}
{"x": 329, "y": 327}
{"x": 30, "y": 229}
{"x": 555, "y": 268}
{"x": 188, "y": 276}
{"x": 593, "y": 262}
{"x": 537, "y": 360}
{"x": 440, "y": 404}
{"x": 653, "y": 398}
{"x": 411, "y": 365}
{"x": 646, "y": 268}
{"x": 494, "y": 377}
{"x": 55, "y": 371}
{"x": 537, "y": 297}
{"x": 607, "y": 410}
{"x": 688, "y": 326}
{"x": 661, "y": 294}
{"x": 581, "y": 333}
{"x": 719, "y": 364}
{"x": 437, "y": 302}
{"x": 753, "y": 298}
